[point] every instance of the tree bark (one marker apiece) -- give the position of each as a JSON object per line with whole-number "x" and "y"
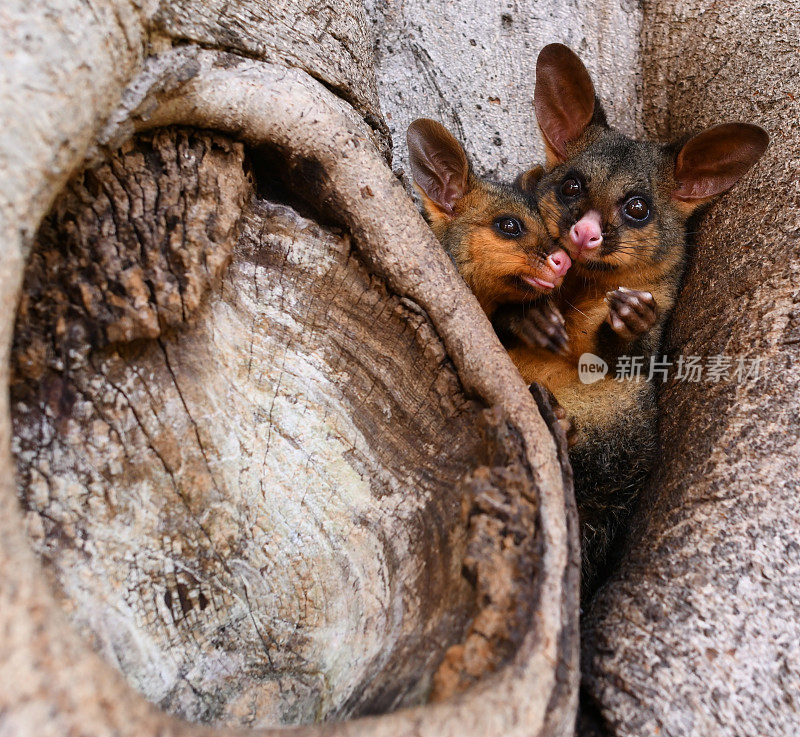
{"x": 698, "y": 633}
{"x": 272, "y": 464}
{"x": 471, "y": 66}
{"x": 261, "y": 425}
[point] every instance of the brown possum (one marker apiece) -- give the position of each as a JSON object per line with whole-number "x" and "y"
{"x": 493, "y": 232}
{"x": 622, "y": 209}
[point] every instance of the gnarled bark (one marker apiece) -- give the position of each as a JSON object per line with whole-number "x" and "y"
{"x": 164, "y": 480}
{"x": 165, "y": 465}
{"x": 164, "y": 342}
{"x": 329, "y": 40}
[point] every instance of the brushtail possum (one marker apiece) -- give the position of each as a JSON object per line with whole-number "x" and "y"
{"x": 492, "y": 231}
{"x": 622, "y": 209}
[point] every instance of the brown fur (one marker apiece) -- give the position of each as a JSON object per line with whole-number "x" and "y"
{"x": 490, "y": 264}
{"x": 464, "y": 218}
{"x": 614, "y": 422}
{"x": 615, "y": 437}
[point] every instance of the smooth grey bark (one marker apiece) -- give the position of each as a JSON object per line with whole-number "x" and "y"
{"x": 472, "y": 67}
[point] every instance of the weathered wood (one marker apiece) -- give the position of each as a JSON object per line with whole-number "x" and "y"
{"x": 305, "y": 409}
{"x": 698, "y": 634}
{"x": 62, "y": 74}
{"x": 130, "y": 249}
{"x": 330, "y": 40}
{"x": 142, "y": 440}
{"x": 471, "y": 66}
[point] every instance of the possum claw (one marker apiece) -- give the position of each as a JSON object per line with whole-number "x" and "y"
{"x": 631, "y": 313}
{"x": 542, "y": 326}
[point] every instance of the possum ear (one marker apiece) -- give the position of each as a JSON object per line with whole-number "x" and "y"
{"x": 564, "y": 100}
{"x": 439, "y": 166}
{"x": 528, "y": 180}
{"x": 713, "y": 161}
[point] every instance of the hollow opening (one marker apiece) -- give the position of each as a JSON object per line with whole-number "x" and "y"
{"x": 250, "y": 470}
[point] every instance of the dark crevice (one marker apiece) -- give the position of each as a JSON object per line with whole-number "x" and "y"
{"x": 590, "y": 722}
{"x": 296, "y": 183}
{"x": 502, "y": 559}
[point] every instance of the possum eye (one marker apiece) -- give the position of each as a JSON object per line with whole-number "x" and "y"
{"x": 508, "y": 226}
{"x": 636, "y": 209}
{"x": 571, "y": 187}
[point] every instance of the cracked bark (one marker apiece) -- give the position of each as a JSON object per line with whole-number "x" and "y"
{"x": 244, "y": 483}
{"x": 140, "y": 400}
{"x": 347, "y": 413}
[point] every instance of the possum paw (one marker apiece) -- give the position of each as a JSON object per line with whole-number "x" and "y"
{"x": 565, "y": 421}
{"x": 542, "y": 326}
{"x": 631, "y": 313}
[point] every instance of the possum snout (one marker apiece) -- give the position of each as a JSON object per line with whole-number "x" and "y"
{"x": 559, "y": 261}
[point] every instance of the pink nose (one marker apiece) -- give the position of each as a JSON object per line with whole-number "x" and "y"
{"x": 559, "y": 262}
{"x": 588, "y": 231}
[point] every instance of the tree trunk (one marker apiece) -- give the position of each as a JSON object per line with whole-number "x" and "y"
{"x": 698, "y": 633}
{"x": 276, "y": 467}
{"x": 472, "y": 67}
{"x": 273, "y": 467}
